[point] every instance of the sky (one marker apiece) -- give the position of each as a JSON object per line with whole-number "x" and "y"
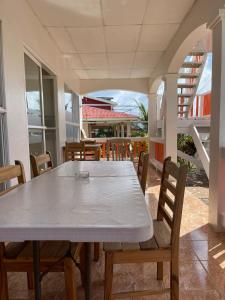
{"x": 126, "y": 100}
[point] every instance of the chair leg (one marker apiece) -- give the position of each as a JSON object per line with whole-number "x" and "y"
{"x": 82, "y": 266}
{"x": 30, "y": 280}
{"x": 96, "y": 251}
{"x": 108, "y": 276}
{"x": 174, "y": 280}
{"x": 159, "y": 270}
{"x": 70, "y": 279}
{"x": 3, "y": 283}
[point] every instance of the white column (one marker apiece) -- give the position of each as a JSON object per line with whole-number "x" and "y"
{"x": 114, "y": 130}
{"x": 118, "y": 130}
{"x": 170, "y": 119}
{"x": 217, "y": 131}
{"x": 122, "y": 130}
{"x": 128, "y": 130}
{"x": 152, "y": 122}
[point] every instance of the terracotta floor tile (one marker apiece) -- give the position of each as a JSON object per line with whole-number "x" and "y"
{"x": 211, "y": 249}
{"x": 200, "y": 295}
{"x": 216, "y": 270}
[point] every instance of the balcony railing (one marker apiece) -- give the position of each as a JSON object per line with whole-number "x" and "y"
{"x": 139, "y": 144}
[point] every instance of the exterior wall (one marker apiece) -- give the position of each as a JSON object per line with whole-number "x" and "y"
{"x": 201, "y": 106}
{"x": 20, "y": 29}
{"x": 137, "y": 85}
{"x": 159, "y": 152}
{"x": 207, "y": 105}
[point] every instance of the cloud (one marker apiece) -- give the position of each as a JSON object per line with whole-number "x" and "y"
{"x": 125, "y": 100}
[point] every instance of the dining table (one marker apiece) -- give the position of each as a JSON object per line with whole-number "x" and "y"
{"x": 78, "y": 201}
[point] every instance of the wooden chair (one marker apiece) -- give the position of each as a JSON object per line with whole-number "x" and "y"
{"x": 41, "y": 164}
{"x": 142, "y": 170}
{"x": 119, "y": 149}
{"x": 164, "y": 246}
{"x": 91, "y": 150}
{"x": 74, "y": 151}
{"x": 56, "y": 256}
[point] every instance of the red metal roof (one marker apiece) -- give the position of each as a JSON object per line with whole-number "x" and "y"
{"x": 91, "y": 113}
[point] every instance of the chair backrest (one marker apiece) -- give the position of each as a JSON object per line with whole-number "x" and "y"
{"x": 12, "y": 172}
{"x": 91, "y": 151}
{"x": 41, "y": 163}
{"x": 171, "y": 199}
{"x": 8, "y": 173}
{"x": 142, "y": 169}
{"x": 89, "y": 142}
{"x": 119, "y": 149}
{"x": 74, "y": 151}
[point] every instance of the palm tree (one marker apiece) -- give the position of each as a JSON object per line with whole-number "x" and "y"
{"x": 142, "y": 110}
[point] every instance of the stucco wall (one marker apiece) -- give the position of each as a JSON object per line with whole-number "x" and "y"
{"x": 21, "y": 29}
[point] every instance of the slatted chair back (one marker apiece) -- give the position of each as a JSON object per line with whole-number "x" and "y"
{"x": 74, "y": 151}
{"x": 10, "y": 172}
{"x": 171, "y": 198}
{"x": 91, "y": 153}
{"x": 41, "y": 163}
{"x": 119, "y": 149}
{"x": 142, "y": 169}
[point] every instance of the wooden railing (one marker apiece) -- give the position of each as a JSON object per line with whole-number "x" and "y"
{"x": 138, "y": 144}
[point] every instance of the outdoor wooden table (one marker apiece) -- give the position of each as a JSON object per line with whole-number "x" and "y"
{"x": 61, "y": 206}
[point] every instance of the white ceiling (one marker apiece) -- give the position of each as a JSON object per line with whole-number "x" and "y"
{"x": 111, "y": 38}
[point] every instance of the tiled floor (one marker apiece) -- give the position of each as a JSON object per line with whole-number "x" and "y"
{"x": 202, "y": 259}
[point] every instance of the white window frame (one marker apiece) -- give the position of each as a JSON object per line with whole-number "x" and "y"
{"x": 74, "y": 124}
{"x": 43, "y": 128}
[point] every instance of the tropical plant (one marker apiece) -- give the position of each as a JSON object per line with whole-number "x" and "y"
{"x": 186, "y": 144}
{"x": 142, "y": 111}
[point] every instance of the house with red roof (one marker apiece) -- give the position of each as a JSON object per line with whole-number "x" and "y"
{"x": 100, "y": 119}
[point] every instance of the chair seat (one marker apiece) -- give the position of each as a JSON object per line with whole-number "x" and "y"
{"x": 49, "y": 250}
{"x": 13, "y": 249}
{"x": 161, "y": 239}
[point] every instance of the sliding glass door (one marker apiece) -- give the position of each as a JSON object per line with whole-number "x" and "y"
{"x": 40, "y": 108}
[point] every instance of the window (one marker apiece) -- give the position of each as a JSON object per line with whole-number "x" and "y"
{"x": 72, "y": 111}
{"x": 40, "y": 100}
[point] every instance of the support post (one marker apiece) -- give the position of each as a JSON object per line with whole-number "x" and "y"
{"x": 118, "y": 130}
{"x": 170, "y": 120}
{"x": 122, "y": 130}
{"x": 152, "y": 122}
{"x": 217, "y": 129}
{"x": 128, "y": 130}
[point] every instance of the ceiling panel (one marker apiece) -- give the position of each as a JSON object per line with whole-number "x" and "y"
{"x": 119, "y": 73}
{"x": 122, "y": 38}
{"x": 141, "y": 73}
{"x": 82, "y": 74}
{"x": 111, "y": 38}
{"x": 76, "y": 62}
{"x": 94, "y": 61}
{"x": 67, "y": 12}
{"x": 123, "y": 12}
{"x": 62, "y": 39}
{"x": 145, "y": 60}
{"x": 167, "y": 11}
{"x": 121, "y": 60}
{"x": 88, "y": 40}
{"x": 98, "y": 74}
{"x": 156, "y": 37}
